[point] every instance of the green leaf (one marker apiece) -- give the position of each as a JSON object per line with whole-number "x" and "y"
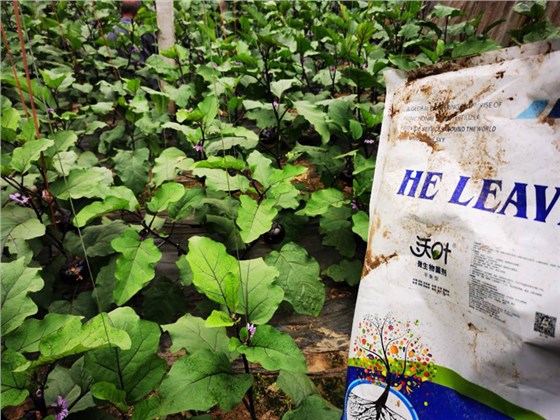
{"x": 220, "y": 180}
{"x": 107, "y": 391}
{"x": 191, "y": 333}
{"x": 69, "y": 383}
{"x": 215, "y": 272}
{"x": 361, "y": 78}
{"x": 284, "y": 195}
{"x": 135, "y": 267}
{"x": 185, "y": 272}
{"x": 315, "y": 116}
{"x": 336, "y": 226}
{"x": 164, "y": 301}
{"x": 82, "y": 183}
{"x": 75, "y": 338}
{"x": 135, "y": 371}
{"x": 17, "y": 282}
{"x": 218, "y": 319}
{"x": 314, "y": 407}
{"x": 182, "y": 208}
{"x": 132, "y": 168}
{"x": 102, "y": 107}
{"x": 299, "y": 277}
{"x": 231, "y": 136}
{"x": 348, "y": 271}
{"x": 473, "y": 46}
{"x": 209, "y": 108}
{"x": 201, "y": 380}
{"x": 340, "y": 111}
{"x": 360, "y": 224}
{"x": 321, "y": 201}
{"x": 254, "y": 218}
{"x": 356, "y": 129}
{"x": 297, "y": 386}
{"x": 14, "y": 384}
{"x": 261, "y": 167}
{"x": 273, "y": 349}
{"x": 98, "y": 209}
{"x": 168, "y": 193}
{"x": 105, "y": 284}
{"x": 168, "y": 164}
{"x": 19, "y": 224}
{"x": 26, "y": 339}
{"x": 278, "y": 87}
{"x": 97, "y": 238}
{"x": 24, "y": 156}
{"x": 222, "y": 162}
{"x": 259, "y": 296}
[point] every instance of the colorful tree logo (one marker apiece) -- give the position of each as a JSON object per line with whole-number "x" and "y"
{"x": 391, "y": 356}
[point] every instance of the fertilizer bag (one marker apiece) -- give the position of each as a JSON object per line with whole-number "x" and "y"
{"x": 457, "y": 312}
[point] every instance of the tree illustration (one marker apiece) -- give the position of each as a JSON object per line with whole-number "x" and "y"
{"x": 391, "y": 356}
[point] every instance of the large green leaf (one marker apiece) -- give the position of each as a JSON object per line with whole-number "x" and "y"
{"x": 336, "y": 225}
{"x": 299, "y": 277}
{"x": 96, "y": 238}
{"x": 278, "y": 87}
{"x": 190, "y": 333}
{"x": 273, "y": 349}
{"x": 18, "y": 225}
{"x": 360, "y": 224}
{"x": 24, "y": 156}
{"x": 132, "y": 168}
{"x": 107, "y": 391}
{"x": 215, "y": 272}
{"x": 254, "y": 218}
{"x": 26, "y": 339}
{"x": 261, "y": 167}
{"x": 201, "y": 380}
{"x": 259, "y": 295}
{"x": 230, "y": 136}
{"x": 98, "y": 209}
{"x": 322, "y": 200}
{"x": 14, "y": 384}
{"x": 70, "y": 383}
{"x": 75, "y": 338}
{"x": 348, "y": 271}
{"x": 104, "y": 286}
{"x": 183, "y": 207}
{"x": 17, "y": 282}
{"x": 168, "y": 193}
{"x": 314, "y": 407}
{"x": 82, "y": 183}
{"x": 296, "y": 385}
{"x": 315, "y": 116}
{"x": 137, "y": 370}
{"x": 168, "y": 164}
{"x": 135, "y": 267}
{"x": 221, "y": 180}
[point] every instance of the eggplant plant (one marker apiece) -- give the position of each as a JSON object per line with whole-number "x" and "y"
{"x": 263, "y": 125}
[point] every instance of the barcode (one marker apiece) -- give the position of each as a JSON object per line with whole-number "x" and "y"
{"x": 545, "y": 324}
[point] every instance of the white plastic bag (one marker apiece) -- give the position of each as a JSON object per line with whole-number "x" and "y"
{"x": 457, "y": 312}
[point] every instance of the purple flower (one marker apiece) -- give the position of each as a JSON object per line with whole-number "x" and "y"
{"x": 251, "y": 328}
{"x": 275, "y": 104}
{"x": 354, "y": 205}
{"x": 50, "y": 111}
{"x": 369, "y": 141}
{"x": 20, "y": 199}
{"x": 61, "y": 408}
{"x": 332, "y": 69}
{"x": 134, "y": 50}
{"x": 364, "y": 67}
{"x": 199, "y": 147}
{"x": 238, "y": 63}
